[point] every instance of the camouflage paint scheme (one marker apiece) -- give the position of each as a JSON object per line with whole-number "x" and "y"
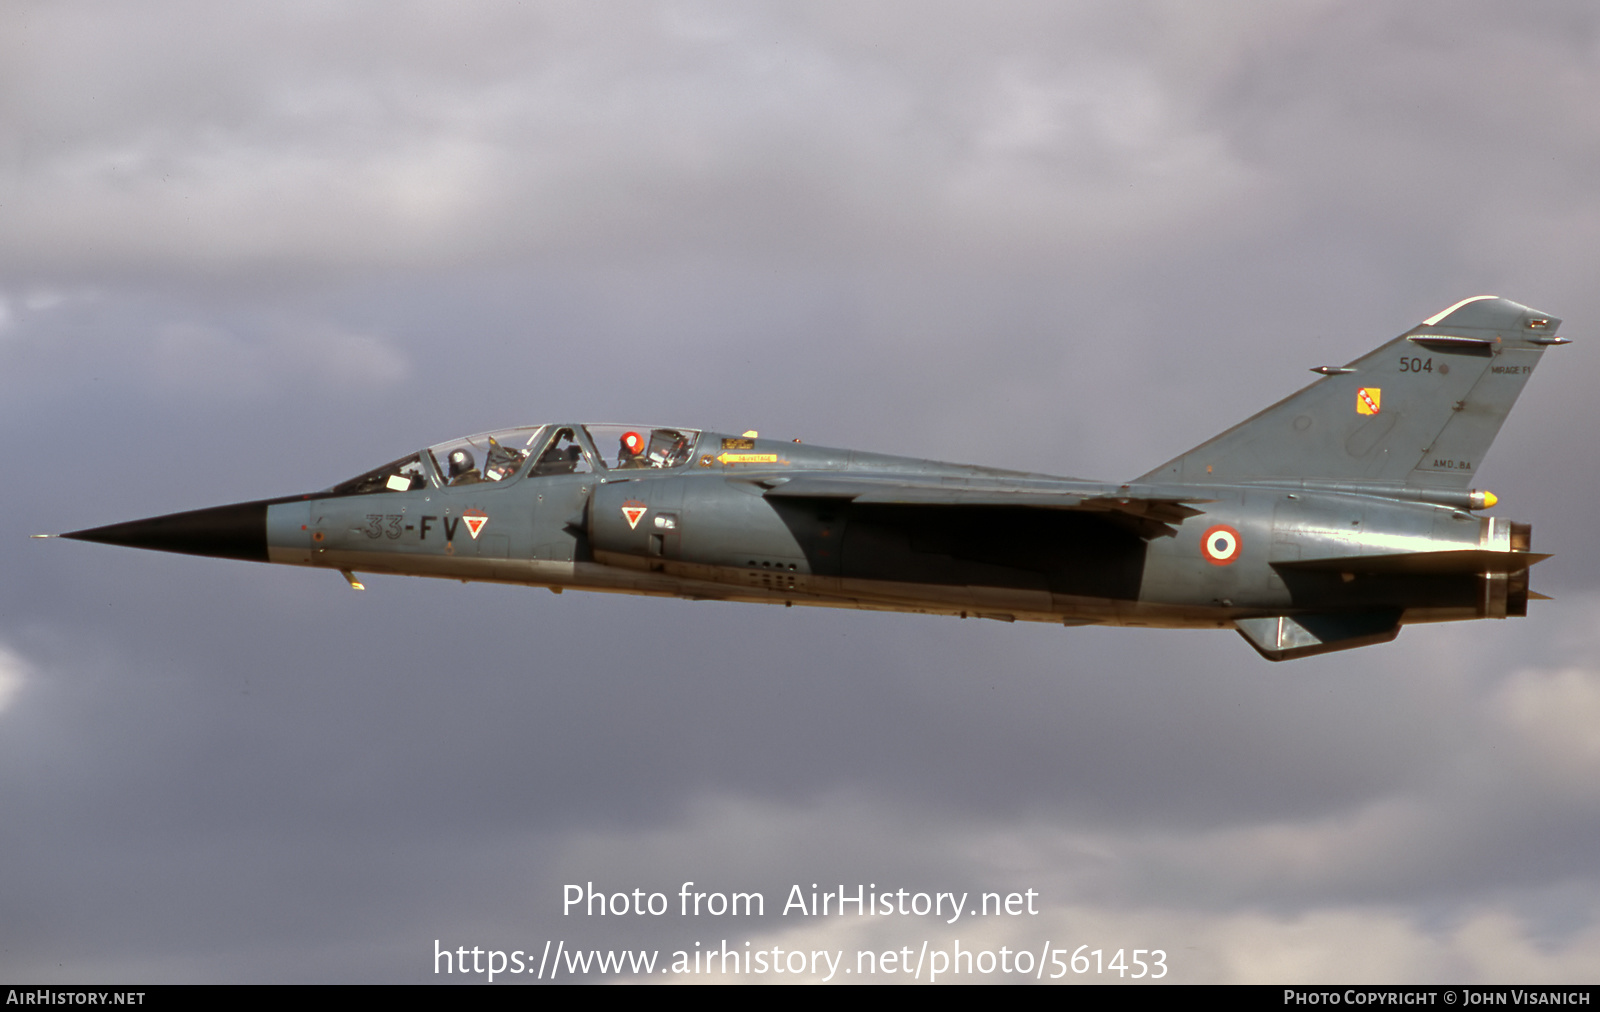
{"x": 1325, "y": 522}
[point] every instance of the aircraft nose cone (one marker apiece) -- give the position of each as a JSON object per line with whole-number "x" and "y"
{"x": 238, "y": 531}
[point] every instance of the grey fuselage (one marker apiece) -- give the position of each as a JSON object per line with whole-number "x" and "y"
{"x": 712, "y": 529}
{"x": 1324, "y": 522}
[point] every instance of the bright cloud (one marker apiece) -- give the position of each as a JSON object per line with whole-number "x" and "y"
{"x": 13, "y": 673}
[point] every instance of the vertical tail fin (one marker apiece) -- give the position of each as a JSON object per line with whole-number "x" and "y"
{"x": 1419, "y": 411}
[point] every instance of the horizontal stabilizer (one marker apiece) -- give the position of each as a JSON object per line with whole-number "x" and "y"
{"x": 1467, "y": 560}
{"x": 1286, "y": 637}
{"x": 1154, "y": 512}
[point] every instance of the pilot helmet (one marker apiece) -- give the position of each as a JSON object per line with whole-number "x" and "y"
{"x": 461, "y": 462}
{"x": 633, "y": 443}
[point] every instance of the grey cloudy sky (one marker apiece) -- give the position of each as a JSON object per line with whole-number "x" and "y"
{"x": 250, "y": 251}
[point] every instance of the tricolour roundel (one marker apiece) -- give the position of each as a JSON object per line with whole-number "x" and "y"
{"x": 1221, "y": 545}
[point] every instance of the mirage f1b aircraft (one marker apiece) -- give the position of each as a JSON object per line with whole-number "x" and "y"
{"x": 1325, "y": 522}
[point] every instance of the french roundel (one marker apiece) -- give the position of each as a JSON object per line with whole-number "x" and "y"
{"x": 1220, "y": 545}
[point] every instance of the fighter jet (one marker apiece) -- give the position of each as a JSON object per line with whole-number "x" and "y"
{"x": 1325, "y": 522}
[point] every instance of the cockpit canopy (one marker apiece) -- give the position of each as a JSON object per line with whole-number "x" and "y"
{"x": 534, "y": 451}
